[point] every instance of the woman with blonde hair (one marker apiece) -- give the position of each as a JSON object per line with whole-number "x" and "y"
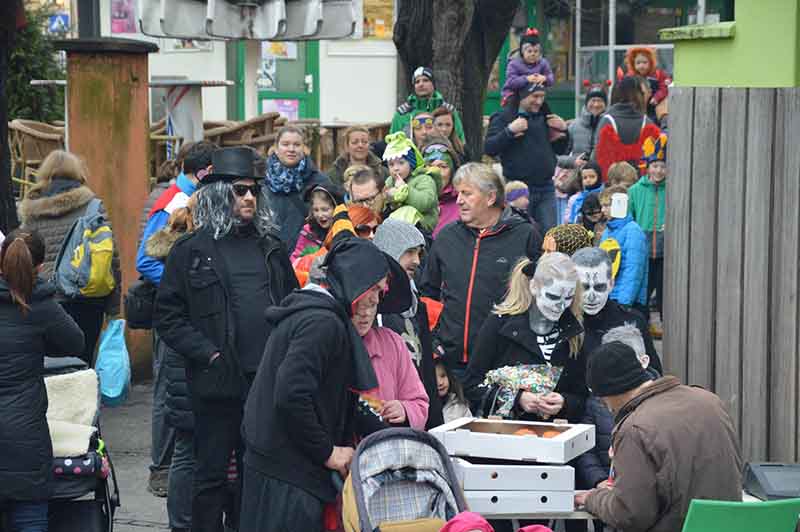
{"x": 58, "y": 199}
{"x": 356, "y": 150}
{"x": 537, "y": 323}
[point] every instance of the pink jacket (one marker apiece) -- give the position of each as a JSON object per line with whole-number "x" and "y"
{"x": 307, "y": 239}
{"x": 448, "y": 209}
{"x": 397, "y": 377}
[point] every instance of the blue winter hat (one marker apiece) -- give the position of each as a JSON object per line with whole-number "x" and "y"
{"x": 411, "y": 157}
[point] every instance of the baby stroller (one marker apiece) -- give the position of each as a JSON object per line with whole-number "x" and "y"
{"x": 400, "y": 480}
{"x": 84, "y": 489}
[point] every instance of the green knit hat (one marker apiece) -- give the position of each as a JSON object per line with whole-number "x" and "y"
{"x": 398, "y": 145}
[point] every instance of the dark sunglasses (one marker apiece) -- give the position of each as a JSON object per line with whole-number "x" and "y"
{"x": 592, "y": 213}
{"x": 241, "y": 190}
{"x": 364, "y": 230}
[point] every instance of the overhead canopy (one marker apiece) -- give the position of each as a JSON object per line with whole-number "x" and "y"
{"x": 262, "y": 20}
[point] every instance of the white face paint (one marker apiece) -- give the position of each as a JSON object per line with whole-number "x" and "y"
{"x": 553, "y": 299}
{"x": 597, "y": 286}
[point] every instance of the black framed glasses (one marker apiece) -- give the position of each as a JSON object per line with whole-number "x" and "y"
{"x": 242, "y": 190}
{"x": 366, "y": 202}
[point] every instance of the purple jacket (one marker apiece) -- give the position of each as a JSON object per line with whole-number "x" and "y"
{"x": 448, "y": 210}
{"x": 518, "y": 70}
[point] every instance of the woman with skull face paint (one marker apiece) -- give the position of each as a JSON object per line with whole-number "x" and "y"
{"x": 538, "y": 322}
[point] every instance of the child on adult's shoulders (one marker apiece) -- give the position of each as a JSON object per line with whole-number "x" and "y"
{"x": 529, "y": 67}
{"x": 411, "y": 186}
{"x": 641, "y": 61}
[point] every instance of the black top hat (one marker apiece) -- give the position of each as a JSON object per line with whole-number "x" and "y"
{"x": 230, "y": 164}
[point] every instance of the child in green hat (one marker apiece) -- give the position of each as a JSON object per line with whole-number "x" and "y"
{"x": 411, "y": 186}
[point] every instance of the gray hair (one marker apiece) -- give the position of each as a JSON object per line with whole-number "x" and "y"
{"x": 485, "y": 178}
{"x": 592, "y": 258}
{"x": 630, "y": 335}
{"x": 214, "y": 210}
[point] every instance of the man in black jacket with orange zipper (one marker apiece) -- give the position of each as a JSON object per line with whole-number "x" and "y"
{"x": 217, "y": 283}
{"x": 470, "y": 260}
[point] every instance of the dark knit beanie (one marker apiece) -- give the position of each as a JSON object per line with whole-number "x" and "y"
{"x": 614, "y": 369}
{"x": 422, "y": 71}
{"x": 596, "y": 91}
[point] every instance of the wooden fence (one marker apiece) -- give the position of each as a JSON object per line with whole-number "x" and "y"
{"x": 732, "y": 250}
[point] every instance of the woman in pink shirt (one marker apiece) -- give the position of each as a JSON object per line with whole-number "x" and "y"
{"x": 403, "y": 397}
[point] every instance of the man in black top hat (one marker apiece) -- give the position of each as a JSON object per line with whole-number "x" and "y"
{"x": 217, "y": 283}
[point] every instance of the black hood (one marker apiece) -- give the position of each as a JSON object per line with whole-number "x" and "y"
{"x": 355, "y": 265}
{"x": 301, "y": 300}
{"x": 41, "y": 290}
{"x": 363, "y": 374}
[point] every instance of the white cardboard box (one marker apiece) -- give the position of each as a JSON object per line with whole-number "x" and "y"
{"x": 509, "y": 503}
{"x": 489, "y": 438}
{"x": 510, "y": 477}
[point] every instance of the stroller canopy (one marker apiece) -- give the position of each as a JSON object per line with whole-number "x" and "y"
{"x": 401, "y": 475}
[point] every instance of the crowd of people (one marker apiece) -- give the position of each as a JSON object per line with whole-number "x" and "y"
{"x": 297, "y": 312}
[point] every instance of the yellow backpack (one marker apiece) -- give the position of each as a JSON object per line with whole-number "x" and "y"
{"x": 83, "y": 265}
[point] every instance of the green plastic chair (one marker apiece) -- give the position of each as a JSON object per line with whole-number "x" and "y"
{"x": 726, "y": 516}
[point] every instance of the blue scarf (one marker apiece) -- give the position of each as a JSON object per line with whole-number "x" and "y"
{"x": 283, "y": 180}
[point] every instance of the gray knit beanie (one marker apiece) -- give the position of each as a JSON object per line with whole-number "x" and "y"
{"x": 395, "y": 237}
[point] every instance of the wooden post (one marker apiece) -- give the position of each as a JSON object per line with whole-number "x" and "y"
{"x": 107, "y": 81}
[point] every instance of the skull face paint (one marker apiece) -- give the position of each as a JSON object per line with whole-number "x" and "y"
{"x": 554, "y": 298}
{"x": 596, "y": 281}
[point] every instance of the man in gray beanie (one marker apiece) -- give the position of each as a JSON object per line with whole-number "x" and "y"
{"x": 405, "y": 243}
{"x": 671, "y": 444}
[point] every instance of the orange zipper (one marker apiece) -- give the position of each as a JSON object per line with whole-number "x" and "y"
{"x": 481, "y": 235}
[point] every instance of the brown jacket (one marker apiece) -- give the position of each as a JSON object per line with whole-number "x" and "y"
{"x": 672, "y": 443}
{"x": 52, "y": 216}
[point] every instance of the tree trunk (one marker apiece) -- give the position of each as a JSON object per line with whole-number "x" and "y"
{"x": 461, "y": 50}
{"x": 8, "y": 207}
{"x": 413, "y": 39}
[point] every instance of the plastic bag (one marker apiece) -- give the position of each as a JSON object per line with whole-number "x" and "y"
{"x": 113, "y": 366}
{"x": 536, "y": 378}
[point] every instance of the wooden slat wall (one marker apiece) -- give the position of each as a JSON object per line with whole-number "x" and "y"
{"x": 732, "y": 253}
{"x": 729, "y": 309}
{"x": 676, "y": 245}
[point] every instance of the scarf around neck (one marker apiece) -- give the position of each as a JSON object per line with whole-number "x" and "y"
{"x": 284, "y": 180}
